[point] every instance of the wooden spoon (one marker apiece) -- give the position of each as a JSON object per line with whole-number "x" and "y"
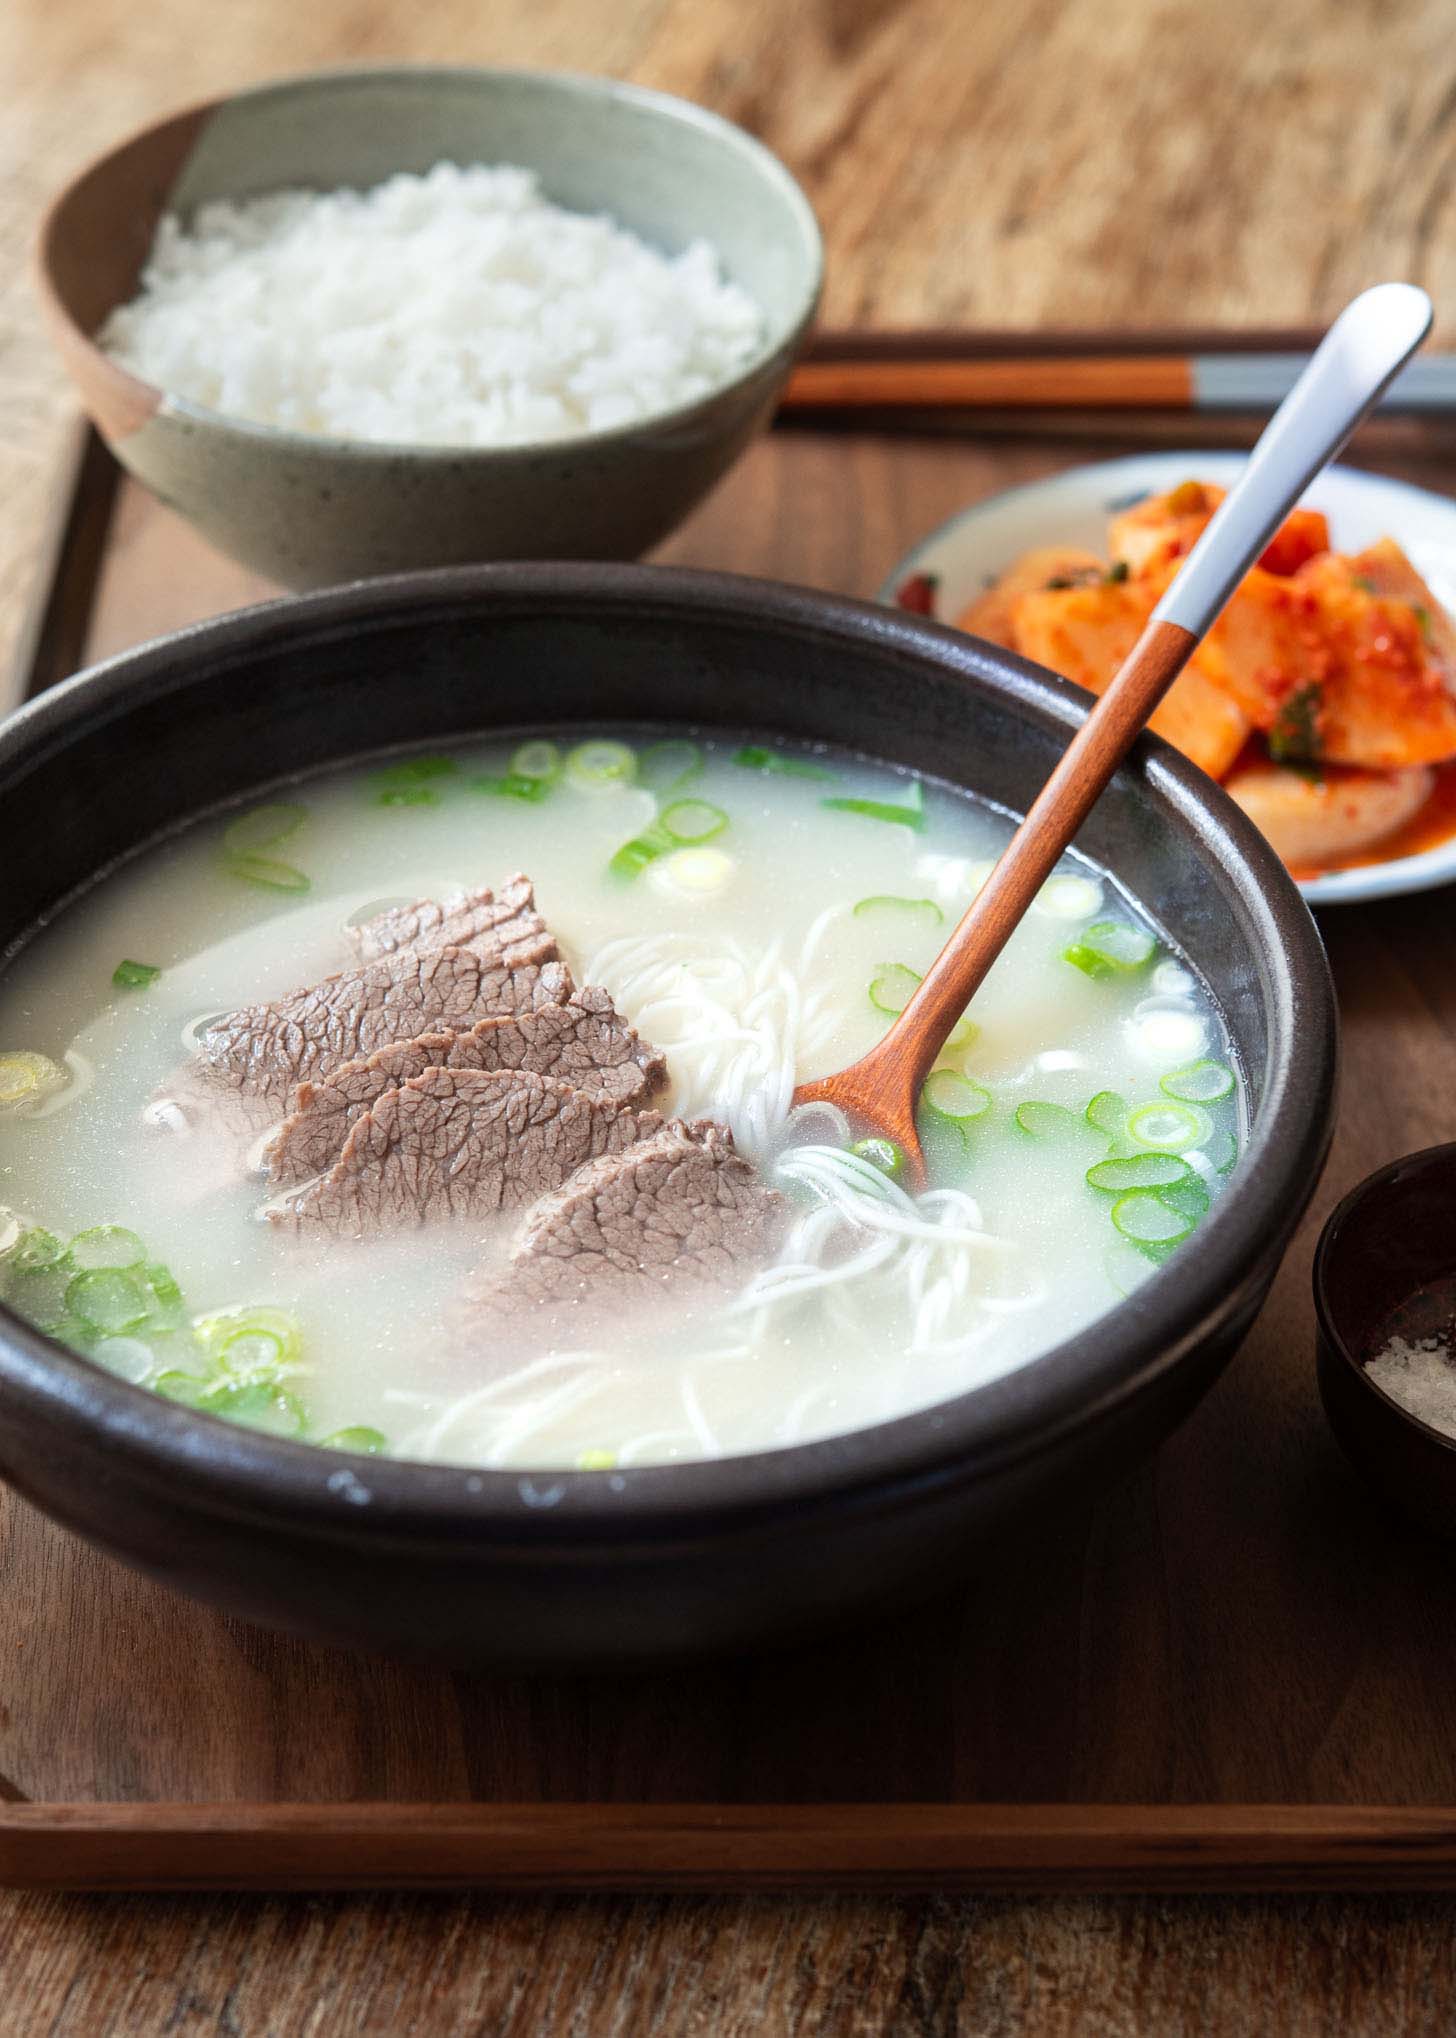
{"x": 1368, "y": 343}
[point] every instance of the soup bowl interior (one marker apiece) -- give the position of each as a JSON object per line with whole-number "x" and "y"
{"x": 310, "y": 511}
{"x": 591, "y": 1566}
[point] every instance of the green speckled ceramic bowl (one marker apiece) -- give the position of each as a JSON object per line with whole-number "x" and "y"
{"x": 310, "y": 511}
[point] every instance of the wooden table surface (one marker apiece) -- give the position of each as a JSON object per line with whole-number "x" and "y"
{"x": 1146, "y": 160}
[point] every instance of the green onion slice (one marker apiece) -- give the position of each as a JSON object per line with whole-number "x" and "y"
{"x": 250, "y": 1344}
{"x": 689, "y": 822}
{"x": 1047, "y": 1121}
{"x": 1203, "y": 1082}
{"x": 597, "y": 1461}
{"x": 537, "y": 759}
{"x": 257, "y": 1406}
{"x": 1189, "y": 1198}
{"x": 1171, "y": 1127}
{"x": 106, "y": 1245}
{"x": 1138, "y": 1171}
{"x": 758, "y": 757}
{"x": 262, "y": 870}
{"x": 33, "y": 1250}
{"x": 107, "y": 1301}
{"x": 1110, "y": 948}
{"x": 262, "y": 827}
{"x": 600, "y": 764}
{"x": 514, "y": 785}
{"x": 882, "y": 1154}
{"x": 886, "y": 902}
{"x": 371, "y": 1442}
{"x": 39, "y": 1295}
{"x": 892, "y": 987}
{"x": 1149, "y": 1219}
{"x": 186, "y": 1388}
{"x": 908, "y": 814}
{"x": 1107, "y": 1112}
{"x": 634, "y": 856}
{"x": 1222, "y": 1151}
{"x": 134, "y": 976}
{"x": 951, "y": 1095}
{"x": 663, "y": 767}
{"x": 26, "y": 1076}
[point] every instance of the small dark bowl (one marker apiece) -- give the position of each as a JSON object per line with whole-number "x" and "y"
{"x": 1394, "y": 1235}
{"x": 574, "y": 1567}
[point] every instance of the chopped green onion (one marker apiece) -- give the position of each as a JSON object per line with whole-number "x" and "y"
{"x": 537, "y": 759}
{"x": 892, "y": 987}
{"x": 634, "y": 856}
{"x": 33, "y": 1250}
{"x": 1148, "y": 1220}
{"x": 951, "y": 1095}
{"x": 1172, "y": 1127}
{"x": 663, "y": 767}
{"x": 164, "y": 1295}
{"x": 693, "y": 821}
{"x": 910, "y": 814}
{"x": 1189, "y": 1198}
{"x": 371, "y": 1442}
{"x": 1107, "y": 1112}
{"x": 888, "y": 903}
{"x": 514, "y": 785}
{"x": 262, "y": 827}
{"x": 880, "y": 1153}
{"x": 262, "y": 870}
{"x": 106, "y": 1245}
{"x": 39, "y": 1294}
{"x": 1047, "y": 1121}
{"x": 250, "y": 1344}
{"x": 134, "y": 976}
{"x": 1138, "y": 1171}
{"x": 107, "y": 1300}
{"x": 1203, "y": 1082}
{"x": 600, "y": 764}
{"x": 1110, "y": 948}
{"x": 597, "y": 1461}
{"x": 25, "y": 1077}
{"x": 257, "y": 1405}
{"x": 1118, "y": 570}
{"x": 757, "y": 757}
{"x": 407, "y": 796}
{"x": 1222, "y": 1151}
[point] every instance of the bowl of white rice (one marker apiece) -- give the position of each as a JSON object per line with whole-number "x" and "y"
{"x": 369, "y": 320}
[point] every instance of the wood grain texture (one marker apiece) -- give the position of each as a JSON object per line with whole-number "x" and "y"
{"x": 1240, "y": 1622}
{"x": 1158, "y": 162}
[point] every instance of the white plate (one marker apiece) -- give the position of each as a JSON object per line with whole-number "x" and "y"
{"x": 1073, "y": 509}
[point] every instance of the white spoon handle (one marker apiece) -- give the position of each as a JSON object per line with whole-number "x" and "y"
{"x": 1363, "y": 350}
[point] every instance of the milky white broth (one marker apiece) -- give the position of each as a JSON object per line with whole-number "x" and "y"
{"x": 1032, "y": 1255}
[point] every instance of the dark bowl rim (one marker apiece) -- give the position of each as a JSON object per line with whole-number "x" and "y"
{"x": 1326, "y": 1316}
{"x": 767, "y": 364}
{"x": 243, "y": 1473}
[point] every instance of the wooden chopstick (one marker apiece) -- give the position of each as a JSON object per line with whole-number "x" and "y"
{"x": 1077, "y": 371}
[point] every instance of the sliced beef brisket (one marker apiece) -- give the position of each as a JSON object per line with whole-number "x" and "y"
{"x": 584, "y": 1041}
{"x": 460, "y": 1143}
{"x": 504, "y": 924}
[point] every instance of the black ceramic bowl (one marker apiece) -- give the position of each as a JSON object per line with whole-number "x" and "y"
{"x": 1386, "y": 1263}
{"x": 593, "y": 1566}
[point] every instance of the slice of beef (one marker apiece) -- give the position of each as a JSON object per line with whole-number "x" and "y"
{"x": 504, "y": 924}
{"x": 585, "y": 1041}
{"x": 460, "y": 1143}
{"x": 675, "y": 1217}
{"x": 269, "y": 1049}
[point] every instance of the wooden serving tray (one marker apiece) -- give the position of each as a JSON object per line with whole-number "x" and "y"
{"x": 1234, "y": 1671}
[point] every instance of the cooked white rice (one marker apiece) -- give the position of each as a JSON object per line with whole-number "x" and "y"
{"x": 456, "y": 308}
